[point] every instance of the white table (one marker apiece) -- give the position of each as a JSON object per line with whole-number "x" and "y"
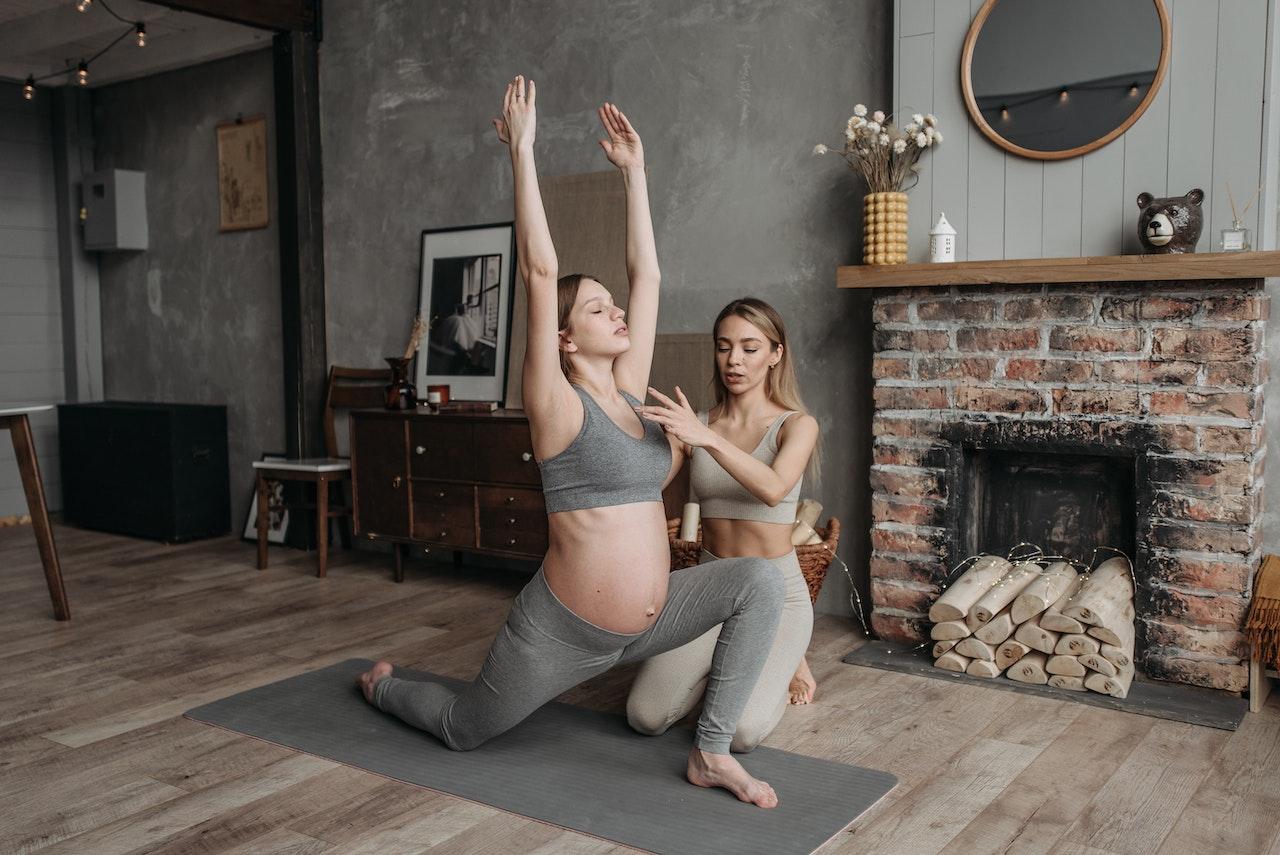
{"x": 14, "y": 419}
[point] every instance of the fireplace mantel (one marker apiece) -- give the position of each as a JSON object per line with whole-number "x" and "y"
{"x": 1040, "y": 271}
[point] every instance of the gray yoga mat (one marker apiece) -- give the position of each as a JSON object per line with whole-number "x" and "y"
{"x": 567, "y": 766}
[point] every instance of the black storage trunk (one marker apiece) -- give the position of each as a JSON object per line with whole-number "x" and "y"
{"x": 149, "y": 470}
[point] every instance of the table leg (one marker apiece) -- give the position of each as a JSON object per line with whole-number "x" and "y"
{"x": 25, "y": 450}
{"x": 322, "y": 523}
{"x": 264, "y": 511}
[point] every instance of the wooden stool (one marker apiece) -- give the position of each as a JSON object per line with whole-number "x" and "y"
{"x": 15, "y": 420}
{"x": 320, "y": 471}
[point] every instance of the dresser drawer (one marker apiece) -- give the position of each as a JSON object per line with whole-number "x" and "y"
{"x": 508, "y": 540}
{"x": 443, "y": 493}
{"x": 442, "y": 450}
{"x": 510, "y": 498}
{"x": 505, "y": 454}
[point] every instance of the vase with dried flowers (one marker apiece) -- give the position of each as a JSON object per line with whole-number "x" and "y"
{"x": 401, "y": 393}
{"x": 888, "y": 159}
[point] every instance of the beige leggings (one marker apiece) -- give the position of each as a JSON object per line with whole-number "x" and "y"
{"x": 670, "y": 684}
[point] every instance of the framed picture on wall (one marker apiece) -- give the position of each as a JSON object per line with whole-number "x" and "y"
{"x": 242, "y": 174}
{"x": 277, "y": 514}
{"x": 465, "y": 294}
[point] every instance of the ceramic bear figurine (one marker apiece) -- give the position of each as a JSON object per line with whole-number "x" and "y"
{"x": 1171, "y": 224}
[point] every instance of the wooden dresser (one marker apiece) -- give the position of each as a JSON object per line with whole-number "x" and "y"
{"x": 452, "y": 481}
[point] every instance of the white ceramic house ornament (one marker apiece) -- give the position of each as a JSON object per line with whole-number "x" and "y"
{"x": 942, "y": 241}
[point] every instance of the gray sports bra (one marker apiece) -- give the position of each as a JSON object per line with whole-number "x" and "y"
{"x": 722, "y": 497}
{"x": 605, "y": 465}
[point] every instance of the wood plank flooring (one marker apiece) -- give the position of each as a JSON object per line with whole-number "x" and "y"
{"x": 96, "y": 758}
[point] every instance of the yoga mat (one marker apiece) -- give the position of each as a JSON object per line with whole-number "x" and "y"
{"x": 570, "y": 767}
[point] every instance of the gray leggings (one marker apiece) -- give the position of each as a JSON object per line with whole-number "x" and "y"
{"x": 545, "y": 649}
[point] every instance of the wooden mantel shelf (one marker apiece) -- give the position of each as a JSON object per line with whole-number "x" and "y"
{"x": 1035, "y": 271}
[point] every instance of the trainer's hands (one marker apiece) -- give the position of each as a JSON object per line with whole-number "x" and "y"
{"x": 679, "y": 420}
{"x": 623, "y": 146}
{"x": 517, "y": 126}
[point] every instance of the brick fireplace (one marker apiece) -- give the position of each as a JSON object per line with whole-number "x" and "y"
{"x": 1106, "y": 413}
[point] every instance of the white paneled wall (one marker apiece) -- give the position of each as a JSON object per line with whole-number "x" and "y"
{"x": 1203, "y": 129}
{"x": 30, "y": 301}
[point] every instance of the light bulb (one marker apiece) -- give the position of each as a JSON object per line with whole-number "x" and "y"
{"x": 82, "y": 74}
{"x": 142, "y": 34}
{"x": 29, "y": 88}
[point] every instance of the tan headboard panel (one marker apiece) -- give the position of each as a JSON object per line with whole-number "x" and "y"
{"x": 587, "y": 215}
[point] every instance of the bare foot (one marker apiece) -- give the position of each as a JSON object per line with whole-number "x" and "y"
{"x": 369, "y": 680}
{"x": 803, "y": 687}
{"x": 723, "y": 770}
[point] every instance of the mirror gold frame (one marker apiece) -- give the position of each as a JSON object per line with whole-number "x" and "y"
{"x": 971, "y": 103}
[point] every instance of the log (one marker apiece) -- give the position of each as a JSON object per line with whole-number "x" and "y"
{"x": 1037, "y": 637}
{"x": 1043, "y": 591}
{"x": 1096, "y": 662}
{"x": 997, "y": 629}
{"x": 941, "y": 647}
{"x": 1009, "y": 652}
{"x": 1104, "y": 595}
{"x": 952, "y": 661}
{"x": 949, "y": 630}
{"x": 1005, "y": 591}
{"x": 957, "y": 600}
{"x": 982, "y": 668}
{"x": 1065, "y": 666}
{"x": 971, "y": 622}
{"x": 1062, "y": 681}
{"x": 975, "y": 649}
{"x": 1075, "y": 644}
{"x": 1116, "y": 687}
{"x": 1118, "y": 634}
{"x": 1029, "y": 669}
{"x": 1054, "y": 620}
{"x": 1121, "y": 657}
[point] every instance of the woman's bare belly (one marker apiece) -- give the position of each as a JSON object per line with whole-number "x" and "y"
{"x": 746, "y": 538}
{"x": 610, "y": 565}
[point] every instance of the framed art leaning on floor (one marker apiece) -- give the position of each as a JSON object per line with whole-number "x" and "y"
{"x": 465, "y": 294}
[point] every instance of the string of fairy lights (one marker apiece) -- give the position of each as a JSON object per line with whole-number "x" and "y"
{"x": 137, "y": 29}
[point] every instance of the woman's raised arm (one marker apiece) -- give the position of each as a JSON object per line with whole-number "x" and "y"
{"x": 545, "y": 388}
{"x": 625, "y": 151}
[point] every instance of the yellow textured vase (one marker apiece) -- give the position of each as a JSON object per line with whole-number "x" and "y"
{"x": 884, "y": 228}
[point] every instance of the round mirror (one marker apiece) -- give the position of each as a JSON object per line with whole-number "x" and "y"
{"x": 1051, "y": 80}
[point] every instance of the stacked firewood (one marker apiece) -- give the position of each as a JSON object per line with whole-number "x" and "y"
{"x": 1038, "y": 621}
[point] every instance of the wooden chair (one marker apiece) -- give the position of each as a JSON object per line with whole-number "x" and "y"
{"x": 348, "y": 388}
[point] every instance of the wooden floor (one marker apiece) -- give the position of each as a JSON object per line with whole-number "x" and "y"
{"x": 95, "y": 756}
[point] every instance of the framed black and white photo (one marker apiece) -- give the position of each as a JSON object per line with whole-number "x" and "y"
{"x": 465, "y": 294}
{"x": 277, "y": 513}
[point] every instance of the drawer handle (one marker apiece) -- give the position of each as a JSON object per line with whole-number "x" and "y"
{"x": 527, "y": 456}
{"x": 396, "y": 482}
{"x": 422, "y": 449}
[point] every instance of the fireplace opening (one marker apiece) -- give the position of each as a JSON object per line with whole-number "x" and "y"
{"x": 1065, "y": 503}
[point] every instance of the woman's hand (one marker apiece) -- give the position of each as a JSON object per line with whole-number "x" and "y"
{"x": 623, "y": 146}
{"x": 679, "y": 420}
{"x": 519, "y": 118}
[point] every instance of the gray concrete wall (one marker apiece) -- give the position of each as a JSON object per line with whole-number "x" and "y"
{"x": 196, "y": 318}
{"x": 729, "y": 97}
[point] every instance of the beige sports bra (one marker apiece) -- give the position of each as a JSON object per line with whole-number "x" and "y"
{"x": 722, "y": 497}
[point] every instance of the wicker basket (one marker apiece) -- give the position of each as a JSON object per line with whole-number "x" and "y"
{"x": 814, "y": 558}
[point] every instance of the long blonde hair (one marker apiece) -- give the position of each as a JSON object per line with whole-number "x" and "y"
{"x": 781, "y": 386}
